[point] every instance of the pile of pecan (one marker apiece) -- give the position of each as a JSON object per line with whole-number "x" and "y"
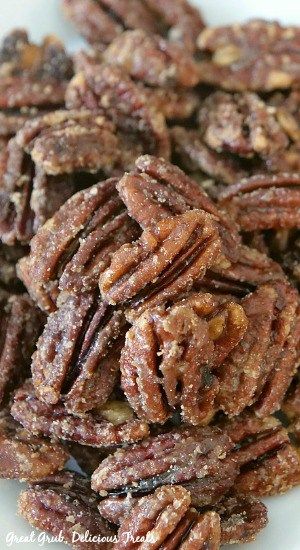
{"x": 149, "y": 276}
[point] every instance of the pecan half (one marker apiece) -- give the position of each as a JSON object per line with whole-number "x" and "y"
{"x": 193, "y": 457}
{"x": 165, "y": 519}
{"x": 24, "y": 456}
{"x": 268, "y": 463}
{"x": 32, "y": 75}
{"x": 63, "y": 504}
{"x": 163, "y": 262}
{"x": 170, "y": 354}
{"x": 264, "y": 202}
{"x": 69, "y": 252}
{"x": 258, "y": 55}
{"x": 167, "y": 63}
{"x": 90, "y": 429}
{"x": 259, "y": 370}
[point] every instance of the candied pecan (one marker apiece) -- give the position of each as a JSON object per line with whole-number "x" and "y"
{"x": 193, "y": 154}
{"x": 258, "y": 55}
{"x": 87, "y": 429}
{"x": 268, "y": 463}
{"x": 32, "y": 75}
{"x": 9, "y": 255}
{"x": 64, "y": 504}
{"x": 24, "y": 456}
{"x": 163, "y": 262}
{"x": 170, "y": 355}
{"x": 110, "y": 90}
{"x": 20, "y": 323}
{"x": 264, "y": 201}
{"x": 167, "y": 63}
{"x": 77, "y": 355}
{"x": 165, "y": 520}
{"x": 195, "y": 457}
{"x": 260, "y": 368}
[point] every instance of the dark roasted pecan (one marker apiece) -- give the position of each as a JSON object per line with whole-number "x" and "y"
{"x": 264, "y": 201}
{"x": 87, "y": 429}
{"x": 71, "y": 250}
{"x": 167, "y": 63}
{"x": 170, "y": 354}
{"x": 9, "y": 255}
{"x": 78, "y": 353}
{"x": 260, "y": 368}
{"x": 258, "y": 55}
{"x": 193, "y": 457}
{"x": 20, "y": 323}
{"x": 166, "y": 260}
{"x": 63, "y": 504}
{"x": 268, "y": 463}
{"x": 165, "y": 519}
{"x": 32, "y": 75}
{"x": 24, "y": 456}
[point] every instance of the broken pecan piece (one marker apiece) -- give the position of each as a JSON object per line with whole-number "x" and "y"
{"x": 63, "y": 504}
{"x": 170, "y": 355}
{"x": 24, "y": 456}
{"x": 258, "y": 55}
{"x": 87, "y": 429}
{"x": 163, "y": 262}
{"x": 193, "y": 457}
{"x": 69, "y": 252}
{"x": 165, "y": 519}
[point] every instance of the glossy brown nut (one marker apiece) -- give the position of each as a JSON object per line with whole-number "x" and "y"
{"x": 21, "y": 323}
{"x": 167, "y": 63}
{"x": 64, "y": 505}
{"x": 193, "y": 457}
{"x": 164, "y": 519}
{"x": 163, "y": 262}
{"x": 264, "y": 202}
{"x": 90, "y": 429}
{"x": 72, "y": 248}
{"x": 24, "y": 456}
{"x": 260, "y": 368}
{"x": 258, "y": 55}
{"x": 170, "y": 356}
{"x": 32, "y": 75}
{"x": 242, "y": 518}
{"x": 77, "y": 355}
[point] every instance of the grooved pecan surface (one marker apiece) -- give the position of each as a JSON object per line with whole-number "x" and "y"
{"x": 72, "y": 248}
{"x": 87, "y": 429}
{"x": 193, "y": 457}
{"x": 164, "y": 261}
{"x": 260, "y": 368}
{"x": 165, "y": 520}
{"x": 24, "y": 456}
{"x": 32, "y": 75}
{"x": 169, "y": 357}
{"x": 264, "y": 201}
{"x": 64, "y": 504}
{"x": 258, "y": 55}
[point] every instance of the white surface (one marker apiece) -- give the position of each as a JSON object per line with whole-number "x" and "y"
{"x": 42, "y": 17}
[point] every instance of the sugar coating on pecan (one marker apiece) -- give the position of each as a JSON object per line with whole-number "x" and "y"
{"x": 21, "y": 323}
{"x": 195, "y": 457}
{"x": 32, "y": 75}
{"x": 258, "y": 55}
{"x": 170, "y": 355}
{"x": 167, "y": 63}
{"x": 24, "y": 456}
{"x": 242, "y": 518}
{"x": 164, "y": 261}
{"x": 90, "y": 429}
{"x": 166, "y": 519}
{"x": 260, "y": 368}
{"x": 264, "y": 201}
{"x": 70, "y": 251}
{"x": 63, "y": 504}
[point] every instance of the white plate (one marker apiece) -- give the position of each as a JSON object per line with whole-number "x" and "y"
{"x": 41, "y": 17}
